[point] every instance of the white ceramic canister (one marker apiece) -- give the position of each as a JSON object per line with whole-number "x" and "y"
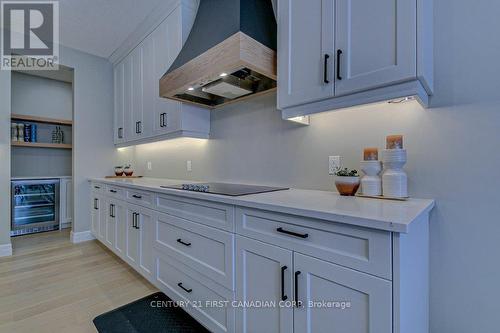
{"x": 394, "y": 178}
{"x": 371, "y": 182}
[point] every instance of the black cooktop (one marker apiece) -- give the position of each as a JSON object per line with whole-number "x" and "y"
{"x": 233, "y": 190}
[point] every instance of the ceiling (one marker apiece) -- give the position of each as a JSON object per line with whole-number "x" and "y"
{"x": 99, "y": 26}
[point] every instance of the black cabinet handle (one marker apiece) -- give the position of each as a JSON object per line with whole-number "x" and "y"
{"x": 110, "y": 210}
{"x": 112, "y": 191}
{"x": 291, "y": 233}
{"x": 134, "y": 220}
{"x": 137, "y": 221}
{"x": 137, "y": 196}
{"x": 183, "y": 243}
{"x": 297, "y": 302}
{"x": 183, "y": 288}
{"x": 325, "y": 69}
{"x": 139, "y": 124}
{"x": 339, "y": 53}
{"x": 163, "y": 121}
{"x": 97, "y": 187}
{"x": 96, "y": 201}
{"x": 120, "y": 133}
{"x": 283, "y": 296}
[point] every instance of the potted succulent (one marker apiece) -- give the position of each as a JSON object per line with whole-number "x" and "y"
{"x": 128, "y": 170}
{"x": 119, "y": 170}
{"x": 347, "y": 181}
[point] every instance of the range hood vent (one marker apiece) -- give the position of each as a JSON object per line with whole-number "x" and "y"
{"x": 230, "y": 54}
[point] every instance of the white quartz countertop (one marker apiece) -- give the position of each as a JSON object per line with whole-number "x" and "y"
{"x": 41, "y": 177}
{"x": 389, "y": 215}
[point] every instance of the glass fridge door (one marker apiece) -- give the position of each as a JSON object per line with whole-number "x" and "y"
{"x": 34, "y": 205}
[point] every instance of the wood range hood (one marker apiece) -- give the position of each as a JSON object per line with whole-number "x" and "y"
{"x": 229, "y": 55}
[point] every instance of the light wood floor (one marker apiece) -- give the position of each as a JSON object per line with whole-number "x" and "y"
{"x": 52, "y": 285}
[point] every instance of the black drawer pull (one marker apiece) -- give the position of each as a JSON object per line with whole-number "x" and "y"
{"x": 325, "y": 69}
{"x": 182, "y": 287}
{"x": 96, "y": 187}
{"x": 339, "y": 53}
{"x": 291, "y": 233}
{"x": 137, "y": 196}
{"x": 120, "y": 133}
{"x": 183, "y": 243}
{"x": 112, "y": 191}
{"x": 96, "y": 202}
{"x": 283, "y": 296}
{"x": 297, "y": 302}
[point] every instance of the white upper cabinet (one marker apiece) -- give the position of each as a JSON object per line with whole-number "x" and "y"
{"x": 339, "y": 53}
{"x": 119, "y": 116}
{"x": 375, "y": 42}
{"x": 141, "y": 115}
{"x": 305, "y": 51}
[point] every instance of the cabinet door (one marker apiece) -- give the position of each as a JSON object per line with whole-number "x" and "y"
{"x": 130, "y": 129}
{"x": 137, "y": 92}
{"x": 121, "y": 229}
{"x": 264, "y": 273}
{"x": 305, "y": 51}
{"x": 111, "y": 225}
{"x": 378, "y": 43}
{"x": 96, "y": 214}
{"x": 167, "y": 40}
{"x": 148, "y": 84}
{"x": 132, "y": 253}
{"x": 119, "y": 115}
{"x": 365, "y": 301}
{"x": 146, "y": 231}
{"x": 103, "y": 213}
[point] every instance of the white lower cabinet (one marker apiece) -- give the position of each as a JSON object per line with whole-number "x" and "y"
{"x": 244, "y": 270}
{"x": 359, "y": 303}
{"x": 95, "y": 214}
{"x": 66, "y": 203}
{"x": 263, "y": 273}
{"x": 311, "y": 295}
{"x": 139, "y": 239}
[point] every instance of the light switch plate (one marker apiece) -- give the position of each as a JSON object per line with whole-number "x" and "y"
{"x": 189, "y": 166}
{"x": 150, "y": 165}
{"x": 334, "y": 164}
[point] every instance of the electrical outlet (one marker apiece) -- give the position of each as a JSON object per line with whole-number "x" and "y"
{"x": 334, "y": 164}
{"x": 150, "y": 165}
{"x": 189, "y": 166}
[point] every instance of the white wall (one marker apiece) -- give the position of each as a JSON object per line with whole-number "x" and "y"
{"x": 38, "y": 96}
{"x": 94, "y": 154}
{"x": 453, "y": 155}
{"x": 4, "y": 157}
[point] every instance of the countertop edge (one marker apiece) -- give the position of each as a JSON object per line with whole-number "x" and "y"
{"x": 361, "y": 221}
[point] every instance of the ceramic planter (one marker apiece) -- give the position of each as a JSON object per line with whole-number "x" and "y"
{"x": 347, "y": 186}
{"x": 128, "y": 171}
{"x": 119, "y": 171}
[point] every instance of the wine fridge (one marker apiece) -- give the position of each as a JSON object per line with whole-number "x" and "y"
{"x": 35, "y": 206}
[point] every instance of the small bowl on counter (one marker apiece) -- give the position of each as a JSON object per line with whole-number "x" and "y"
{"x": 347, "y": 185}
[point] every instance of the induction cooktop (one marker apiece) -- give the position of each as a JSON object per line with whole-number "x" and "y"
{"x": 233, "y": 190}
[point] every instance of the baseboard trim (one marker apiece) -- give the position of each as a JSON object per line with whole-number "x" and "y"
{"x": 82, "y": 236}
{"x": 5, "y": 250}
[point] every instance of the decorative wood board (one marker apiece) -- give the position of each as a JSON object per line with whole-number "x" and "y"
{"x": 382, "y": 197}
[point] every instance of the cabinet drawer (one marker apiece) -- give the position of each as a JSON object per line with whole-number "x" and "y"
{"x": 207, "y": 250}
{"x": 115, "y": 192}
{"x": 355, "y": 247}
{"x": 97, "y": 188}
{"x": 184, "y": 285}
{"x": 141, "y": 198}
{"x": 205, "y": 212}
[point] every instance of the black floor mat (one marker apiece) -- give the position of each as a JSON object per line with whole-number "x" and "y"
{"x": 143, "y": 316}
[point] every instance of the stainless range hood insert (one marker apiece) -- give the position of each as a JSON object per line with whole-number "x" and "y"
{"x": 229, "y": 55}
